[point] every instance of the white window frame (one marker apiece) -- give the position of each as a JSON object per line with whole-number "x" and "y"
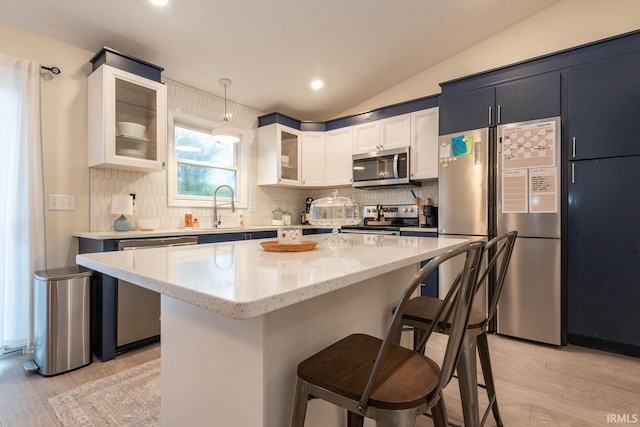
{"x": 173, "y": 199}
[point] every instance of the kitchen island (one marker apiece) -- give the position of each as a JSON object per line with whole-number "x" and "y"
{"x": 236, "y": 320}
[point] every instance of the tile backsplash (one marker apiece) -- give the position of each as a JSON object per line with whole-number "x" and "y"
{"x": 151, "y": 188}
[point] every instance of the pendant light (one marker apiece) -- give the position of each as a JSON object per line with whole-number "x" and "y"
{"x": 225, "y": 132}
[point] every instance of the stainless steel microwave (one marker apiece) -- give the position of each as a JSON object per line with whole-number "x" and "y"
{"x": 382, "y": 168}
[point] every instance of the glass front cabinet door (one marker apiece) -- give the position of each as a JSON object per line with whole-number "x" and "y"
{"x": 127, "y": 121}
{"x": 279, "y": 156}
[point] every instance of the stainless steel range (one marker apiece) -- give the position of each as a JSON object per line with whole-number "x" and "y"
{"x": 385, "y": 219}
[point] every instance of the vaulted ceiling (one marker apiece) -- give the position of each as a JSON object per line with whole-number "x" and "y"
{"x": 272, "y": 49}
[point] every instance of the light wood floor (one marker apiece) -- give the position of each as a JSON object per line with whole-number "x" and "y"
{"x": 540, "y": 385}
{"x": 23, "y": 396}
{"x": 537, "y": 385}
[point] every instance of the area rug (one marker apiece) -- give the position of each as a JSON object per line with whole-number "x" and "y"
{"x": 128, "y": 398}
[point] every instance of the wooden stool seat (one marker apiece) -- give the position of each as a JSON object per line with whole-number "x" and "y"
{"x": 424, "y": 309}
{"x": 406, "y": 378}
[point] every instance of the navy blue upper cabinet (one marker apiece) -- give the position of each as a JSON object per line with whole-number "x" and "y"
{"x": 529, "y": 98}
{"x": 465, "y": 111}
{"x": 535, "y": 97}
{"x": 604, "y": 108}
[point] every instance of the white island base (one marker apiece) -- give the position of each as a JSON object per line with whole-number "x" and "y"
{"x": 223, "y": 372}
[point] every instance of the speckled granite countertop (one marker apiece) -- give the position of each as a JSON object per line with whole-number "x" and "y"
{"x": 241, "y": 280}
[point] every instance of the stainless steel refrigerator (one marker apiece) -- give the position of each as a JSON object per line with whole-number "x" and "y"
{"x": 494, "y": 180}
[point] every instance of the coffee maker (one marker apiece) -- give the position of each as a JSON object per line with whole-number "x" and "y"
{"x": 431, "y": 216}
{"x": 306, "y": 214}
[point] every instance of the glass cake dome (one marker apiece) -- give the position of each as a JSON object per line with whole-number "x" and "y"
{"x": 334, "y": 211}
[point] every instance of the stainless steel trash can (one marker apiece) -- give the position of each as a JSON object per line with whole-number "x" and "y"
{"x": 62, "y": 319}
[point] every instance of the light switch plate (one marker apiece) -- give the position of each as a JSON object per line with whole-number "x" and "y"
{"x": 62, "y": 202}
{"x": 253, "y": 207}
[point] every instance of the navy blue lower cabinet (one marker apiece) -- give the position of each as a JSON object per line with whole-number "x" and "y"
{"x": 232, "y": 237}
{"x": 261, "y": 235}
{"x": 429, "y": 286}
{"x": 603, "y": 253}
{"x": 306, "y": 231}
{"x": 103, "y": 303}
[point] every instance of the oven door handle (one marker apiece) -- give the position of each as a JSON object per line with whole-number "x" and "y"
{"x": 396, "y": 173}
{"x": 133, "y": 248}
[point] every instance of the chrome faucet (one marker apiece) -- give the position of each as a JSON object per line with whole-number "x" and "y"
{"x": 216, "y": 221}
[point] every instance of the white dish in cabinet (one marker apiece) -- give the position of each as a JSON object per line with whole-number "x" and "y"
{"x": 117, "y": 96}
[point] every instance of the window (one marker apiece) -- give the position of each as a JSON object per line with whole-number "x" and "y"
{"x": 198, "y": 164}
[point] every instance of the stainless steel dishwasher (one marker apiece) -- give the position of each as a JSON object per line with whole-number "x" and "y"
{"x": 138, "y": 309}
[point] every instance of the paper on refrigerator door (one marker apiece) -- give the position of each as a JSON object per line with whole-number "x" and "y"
{"x": 532, "y": 190}
{"x": 514, "y": 191}
{"x": 529, "y": 145}
{"x": 543, "y": 190}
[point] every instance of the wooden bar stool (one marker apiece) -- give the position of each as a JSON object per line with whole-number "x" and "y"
{"x": 379, "y": 379}
{"x": 422, "y": 311}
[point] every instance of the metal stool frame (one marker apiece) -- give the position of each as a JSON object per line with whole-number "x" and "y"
{"x": 362, "y": 407}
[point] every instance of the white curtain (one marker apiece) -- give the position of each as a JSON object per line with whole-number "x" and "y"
{"x": 22, "y": 234}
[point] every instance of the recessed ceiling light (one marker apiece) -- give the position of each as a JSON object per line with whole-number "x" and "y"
{"x": 160, "y": 2}
{"x": 317, "y": 84}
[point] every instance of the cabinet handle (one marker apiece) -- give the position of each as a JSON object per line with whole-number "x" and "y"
{"x": 573, "y": 149}
{"x": 573, "y": 173}
{"x": 499, "y": 118}
{"x": 490, "y": 111}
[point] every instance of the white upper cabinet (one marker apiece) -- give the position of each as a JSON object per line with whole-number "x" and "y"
{"x": 293, "y": 158}
{"x": 395, "y": 132}
{"x": 127, "y": 121}
{"x": 313, "y": 159}
{"x": 279, "y": 155}
{"x": 366, "y": 137}
{"x": 424, "y": 144}
{"x": 385, "y": 134}
{"x": 339, "y": 149}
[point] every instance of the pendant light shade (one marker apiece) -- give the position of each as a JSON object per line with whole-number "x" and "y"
{"x": 225, "y": 132}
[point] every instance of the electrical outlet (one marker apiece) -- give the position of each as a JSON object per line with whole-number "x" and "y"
{"x": 62, "y": 202}
{"x": 253, "y": 207}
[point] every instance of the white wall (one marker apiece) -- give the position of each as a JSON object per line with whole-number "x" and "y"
{"x": 64, "y": 134}
{"x": 561, "y": 26}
